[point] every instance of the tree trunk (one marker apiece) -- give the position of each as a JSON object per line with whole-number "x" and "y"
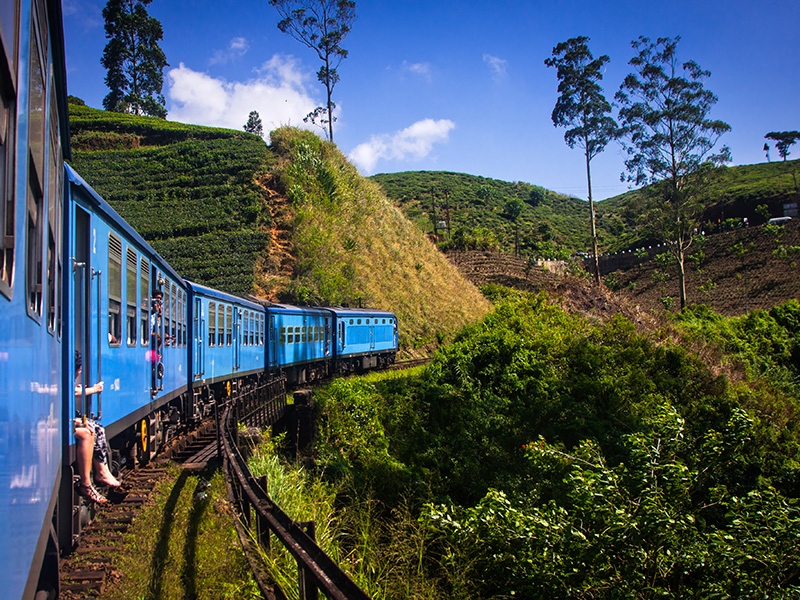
{"x": 682, "y": 276}
{"x": 595, "y": 257}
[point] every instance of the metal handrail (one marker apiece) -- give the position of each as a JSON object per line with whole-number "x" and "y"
{"x": 318, "y": 571}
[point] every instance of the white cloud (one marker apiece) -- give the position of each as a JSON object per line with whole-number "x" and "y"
{"x": 422, "y": 69}
{"x": 277, "y": 92}
{"x": 498, "y": 66}
{"x": 413, "y": 142}
{"x": 237, "y": 47}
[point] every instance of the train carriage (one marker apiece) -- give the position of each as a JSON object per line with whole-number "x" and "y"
{"x": 365, "y": 338}
{"x": 33, "y": 142}
{"x": 228, "y": 339}
{"x": 127, "y": 315}
{"x": 300, "y": 342}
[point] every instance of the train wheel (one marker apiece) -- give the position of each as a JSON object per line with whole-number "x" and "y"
{"x": 142, "y": 442}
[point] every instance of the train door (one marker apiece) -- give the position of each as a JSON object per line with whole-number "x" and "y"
{"x": 274, "y": 342}
{"x": 199, "y": 337}
{"x": 157, "y": 335}
{"x": 85, "y": 302}
{"x": 237, "y": 337}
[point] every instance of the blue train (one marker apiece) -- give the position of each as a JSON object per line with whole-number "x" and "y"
{"x": 77, "y": 279}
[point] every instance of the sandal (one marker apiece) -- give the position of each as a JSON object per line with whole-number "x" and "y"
{"x": 88, "y": 492}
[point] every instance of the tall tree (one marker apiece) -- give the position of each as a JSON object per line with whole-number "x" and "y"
{"x": 133, "y": 59}
{"x": 513, "y": 210}
{"x": 783, "y": 141}
{"x": 320, "y": 25}
{"x": 669, "y": 138}
{"x": 254, "y": 124}
{"x": 583, "y": 109}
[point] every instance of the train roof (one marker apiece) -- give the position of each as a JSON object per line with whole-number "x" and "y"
{"x": 299, "y": 309}
{"x": 210, "y": 292}
{"x": 104, "y": 208}
{"x": 361, "y": 312}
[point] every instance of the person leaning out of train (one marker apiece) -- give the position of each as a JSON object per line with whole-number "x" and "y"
{"x": 90, "y": 445}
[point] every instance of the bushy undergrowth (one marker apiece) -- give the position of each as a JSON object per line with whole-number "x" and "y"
{"x": 551, "y": 456}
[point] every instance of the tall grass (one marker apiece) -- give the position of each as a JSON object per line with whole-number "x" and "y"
{"x": 384, "y": 556}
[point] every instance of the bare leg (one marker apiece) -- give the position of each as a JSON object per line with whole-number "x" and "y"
{"x": 84, "y": 447}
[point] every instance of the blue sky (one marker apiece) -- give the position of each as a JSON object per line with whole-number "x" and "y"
{"x": 457, "y": 85}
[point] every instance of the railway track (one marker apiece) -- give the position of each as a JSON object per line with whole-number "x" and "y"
{"x": 86, "y": 571}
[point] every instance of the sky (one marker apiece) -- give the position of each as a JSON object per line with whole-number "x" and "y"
{"x": 457, "y": 85}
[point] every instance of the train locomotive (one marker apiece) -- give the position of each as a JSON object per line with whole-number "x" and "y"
{"x": 76, "y": 279}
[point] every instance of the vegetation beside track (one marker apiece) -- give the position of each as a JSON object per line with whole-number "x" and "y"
{"x": 547, "y": 455}
{"x": 182, "y": 545}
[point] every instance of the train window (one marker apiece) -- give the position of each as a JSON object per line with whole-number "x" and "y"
{"x": 174, "y": 316}
{"x": 245, "y": 327}
{"x": 179, "y": 339}
{"x": 36, "y": 100}
{"x": 220, "y": 323}
{"x": 114, "y": 289}
{"x": 358, "y": 322}
{"x": 351, "y": 321}
{"x": 130, "y": 296}
{"x": 7, "y": 147}
{"x": 212, "y": 323}
{"x": 229, "y": 326}
{"x": 144, "y": 301}
{"x": 282, "y": 337}
{"x": 252, "y": 329}
{"x": 182, "y": 320}
{"x": 296, "y": 335}
{"x": 167, "y": 308}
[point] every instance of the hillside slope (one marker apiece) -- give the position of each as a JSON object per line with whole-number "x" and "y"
{"x": 354, "y": 247}
{"x": 549, "y": 224}
{"x": 189, "y": 191}
{"x": 293, "y": 222}
{"x": 554, "y": 225}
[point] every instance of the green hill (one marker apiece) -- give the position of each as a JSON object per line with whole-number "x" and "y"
{"x": 550, "y": 224}
{"x": 293, "y": 222}
{"x": 554, "y": 225}
{"x": 189, "y": 191}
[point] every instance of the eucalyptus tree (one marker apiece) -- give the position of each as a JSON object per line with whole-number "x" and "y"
{"x": 669, "y": 138}
{"x": 583, "y": 110}
{"x": 783, "y": 141}
{"x": 320, "y": 25}
{"x": 133, "y": 59}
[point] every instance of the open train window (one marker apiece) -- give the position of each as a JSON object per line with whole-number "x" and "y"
{"x": 144, "y": 301}
{"x": 182, "y": 319}
{"x": 252, "y": 329}
{"x": 283, "y": 336}
{"x": 114, "y": 289}
{"x": 212, "y": 323}
{"x": 220, "y": 325}
{"x": 54, "y": 218}
{"x": 130, "y": 296}
{"x": 173, "y": 317}
{"x": 229, "y": 326}
{"x": 7, "y": 155}
{"x": 245, "y": 327}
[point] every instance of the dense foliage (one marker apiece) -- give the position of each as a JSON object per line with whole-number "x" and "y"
{"x": 567, "y": 458}
{"x": 189, "y": 191}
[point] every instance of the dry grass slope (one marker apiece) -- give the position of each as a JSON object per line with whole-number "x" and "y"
{"x": 354, "y": 247}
